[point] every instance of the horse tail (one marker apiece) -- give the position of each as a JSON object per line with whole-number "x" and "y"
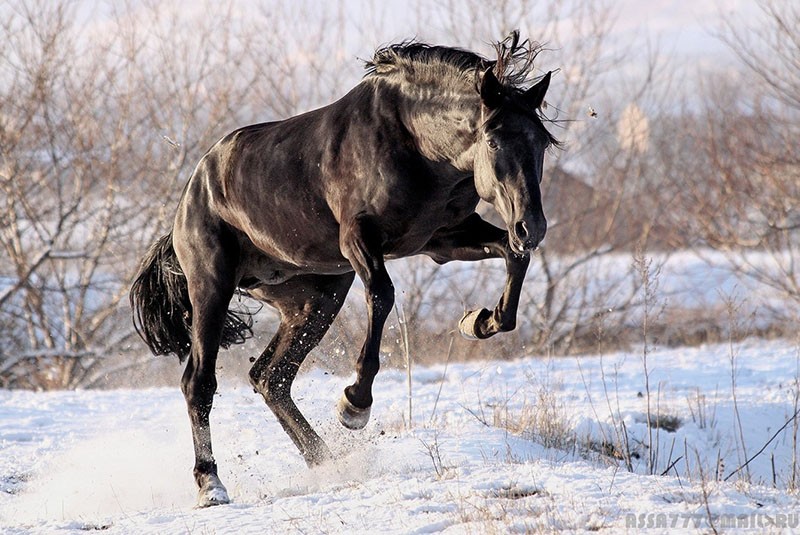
{"x": 162, "y": 311}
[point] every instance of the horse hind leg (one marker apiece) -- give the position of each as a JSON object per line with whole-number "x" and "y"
{"x": 199, "y": 384}
{"x": 209, "y": 266}
{"x": 308, "y": 305}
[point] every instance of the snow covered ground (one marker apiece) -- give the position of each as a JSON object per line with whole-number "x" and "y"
{"x": 474, "y": 457}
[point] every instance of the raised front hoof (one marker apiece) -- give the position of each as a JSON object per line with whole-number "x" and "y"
{"x": 213, "y": 493}
{"x": 351, "y": 416}
{"x": 468, "y": 326}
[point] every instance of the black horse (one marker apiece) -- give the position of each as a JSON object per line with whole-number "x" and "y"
{"x": 290, "y": 211}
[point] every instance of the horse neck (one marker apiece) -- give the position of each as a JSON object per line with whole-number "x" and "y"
{"x": 444, "y": 125}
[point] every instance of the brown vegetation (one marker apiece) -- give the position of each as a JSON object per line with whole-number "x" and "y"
{"x": 101, "y": 121}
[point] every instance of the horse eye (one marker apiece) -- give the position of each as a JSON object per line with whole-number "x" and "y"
{"x": 492, "y": 144}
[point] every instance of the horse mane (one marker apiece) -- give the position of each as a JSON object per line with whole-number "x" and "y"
{"x": 449, "y": 67}
{"x": 424, "y": 63}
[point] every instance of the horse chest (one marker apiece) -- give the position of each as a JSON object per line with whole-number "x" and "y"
{"x": 410, "y": 229}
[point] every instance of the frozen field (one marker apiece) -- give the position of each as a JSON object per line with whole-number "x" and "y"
{"x": 529, "y": 445}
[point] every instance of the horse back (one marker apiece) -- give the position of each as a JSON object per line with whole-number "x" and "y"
{"x": 288, "y": 185}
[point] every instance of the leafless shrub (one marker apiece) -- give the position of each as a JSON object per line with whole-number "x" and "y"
{"x": 441, "y": 468}
{"x": 739, "y": 187}
{"x": 545, "y": 419}
{"x": 100, "y": 125}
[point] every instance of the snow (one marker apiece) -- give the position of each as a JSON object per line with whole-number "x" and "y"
{"x": 120, "y": 461}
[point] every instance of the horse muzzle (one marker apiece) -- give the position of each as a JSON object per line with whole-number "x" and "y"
{"x": 524, "y": 236}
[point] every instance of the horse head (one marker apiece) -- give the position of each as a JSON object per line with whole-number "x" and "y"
{"x": 509, "y": 157}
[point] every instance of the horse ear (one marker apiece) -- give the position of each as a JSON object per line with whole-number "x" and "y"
{"x": 491, "y": 90}
{"x": 535, "y": 95}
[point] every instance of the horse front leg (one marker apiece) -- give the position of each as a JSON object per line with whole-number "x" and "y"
{"x": 475, "y": 239}
{"x": 480, "y": 324}
{"x": 362, "y": 244}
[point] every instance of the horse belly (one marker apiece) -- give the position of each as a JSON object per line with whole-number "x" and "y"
{"x": 295, "y": 251}
{"x": 259, "y": 267}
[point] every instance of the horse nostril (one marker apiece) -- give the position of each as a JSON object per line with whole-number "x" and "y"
{"x": 521, "y": 229}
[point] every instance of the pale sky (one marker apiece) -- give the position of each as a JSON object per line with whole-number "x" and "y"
{"x": 682, "y": 26}
{"x": 682, "y": 30}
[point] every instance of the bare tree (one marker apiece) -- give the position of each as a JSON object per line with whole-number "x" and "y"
{"x": 741, "y": 189}
{"x": 100, "y": 125}
{"x": 99, "y": 129}
{"x": 768, "y": 46}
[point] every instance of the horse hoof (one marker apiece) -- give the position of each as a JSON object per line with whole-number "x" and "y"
{"x": 351, "y": 416}
{"x": 214, "y": 493}
{"x": 468, "y": 326}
